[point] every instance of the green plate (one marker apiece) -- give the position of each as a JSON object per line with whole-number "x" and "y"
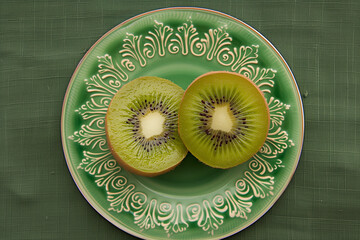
{"x": 193, "y": 201}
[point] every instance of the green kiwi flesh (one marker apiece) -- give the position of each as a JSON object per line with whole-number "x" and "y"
{"x": 141, "y": 126}
{"x": 223, "y": 119}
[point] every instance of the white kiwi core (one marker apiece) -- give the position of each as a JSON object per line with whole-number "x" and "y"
{"x": 222, "y": 118}
{"x": 152, "y": 124}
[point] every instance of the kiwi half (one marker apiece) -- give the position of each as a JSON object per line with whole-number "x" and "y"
{"x": 223, "y": 119}
{"x": 141, "y": 126}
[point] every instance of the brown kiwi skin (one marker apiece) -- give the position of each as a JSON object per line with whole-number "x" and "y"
{"x": 236, "y": 74}
{"x": 126, "y": 166}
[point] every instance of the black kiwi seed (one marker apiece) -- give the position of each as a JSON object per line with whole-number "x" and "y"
{"x": 141, "y": 109}
{"x": 221, "y": 138}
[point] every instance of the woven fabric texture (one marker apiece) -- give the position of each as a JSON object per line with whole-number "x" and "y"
{"x": 41, "y": 43}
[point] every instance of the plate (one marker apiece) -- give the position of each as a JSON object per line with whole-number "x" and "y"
{"x": 193, "y": 201}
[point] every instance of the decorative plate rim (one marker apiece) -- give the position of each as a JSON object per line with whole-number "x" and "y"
{"x": 78, "y": 181}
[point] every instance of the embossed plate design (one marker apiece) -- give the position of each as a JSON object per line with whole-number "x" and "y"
{"x": 193, "y": 201}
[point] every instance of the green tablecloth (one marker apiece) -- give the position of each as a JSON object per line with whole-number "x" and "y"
{"x": 41, "y": 43}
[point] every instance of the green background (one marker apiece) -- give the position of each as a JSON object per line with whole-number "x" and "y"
{"x": 41, "y": 43}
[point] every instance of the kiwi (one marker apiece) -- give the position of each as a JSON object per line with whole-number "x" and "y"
{"x": 223, "y": 119}
{"x": 141, "y": 126}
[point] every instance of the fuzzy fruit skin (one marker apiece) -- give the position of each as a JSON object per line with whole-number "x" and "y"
{"x": 122, "y": 162}
{"x": 191, "y": 147}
